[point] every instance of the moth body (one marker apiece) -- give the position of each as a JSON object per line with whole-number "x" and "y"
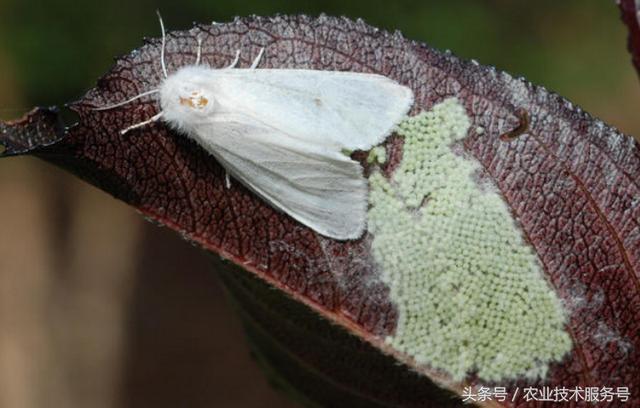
{"x": 281, "y": 132}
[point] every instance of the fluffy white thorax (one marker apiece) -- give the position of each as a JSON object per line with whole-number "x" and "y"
{"x": 186, "y": 97}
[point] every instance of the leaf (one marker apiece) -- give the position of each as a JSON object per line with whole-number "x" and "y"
{"x": 567, "y": 179}
{"x": 37, "y": 129}
{"x": 629, "y": 12}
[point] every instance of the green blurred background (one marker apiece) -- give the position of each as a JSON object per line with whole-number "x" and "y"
{"x": 99, "y": 308}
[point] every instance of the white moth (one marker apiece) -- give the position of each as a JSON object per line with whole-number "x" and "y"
{"x": 282, "y": 132}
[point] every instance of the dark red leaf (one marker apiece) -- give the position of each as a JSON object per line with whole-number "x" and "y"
{"x": 629, "y": 11}
{"x": 569, "y": 179}
{"x": 37, "y": 129}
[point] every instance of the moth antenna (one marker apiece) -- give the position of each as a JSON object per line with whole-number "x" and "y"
{"x": 154, "y": 118}
{"x": 199, "y": 52}
{"x": 164, "y": 40}
{"x": 235, "y": 60}
{"x": 257, "y": 60}
{"x": 147, "y": 93}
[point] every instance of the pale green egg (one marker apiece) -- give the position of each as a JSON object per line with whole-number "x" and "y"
{"x": 470, "y": 292}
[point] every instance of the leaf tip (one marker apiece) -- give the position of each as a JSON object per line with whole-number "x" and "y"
{"x": 40, "y": 127}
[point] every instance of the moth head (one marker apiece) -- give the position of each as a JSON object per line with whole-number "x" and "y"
{"x": 185, "y": 97}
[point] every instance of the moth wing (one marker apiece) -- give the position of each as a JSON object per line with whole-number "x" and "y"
{"x": 318, "y": 186}
{"x": 351, "y": 110}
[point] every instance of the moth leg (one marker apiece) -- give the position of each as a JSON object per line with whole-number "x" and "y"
{"x": 154, "y": 118}
{"x": 235, "y": 61}
{"x": 227, "y": 180}
{"x": 257, "y": 60}
{"x": 199, "y": 52}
